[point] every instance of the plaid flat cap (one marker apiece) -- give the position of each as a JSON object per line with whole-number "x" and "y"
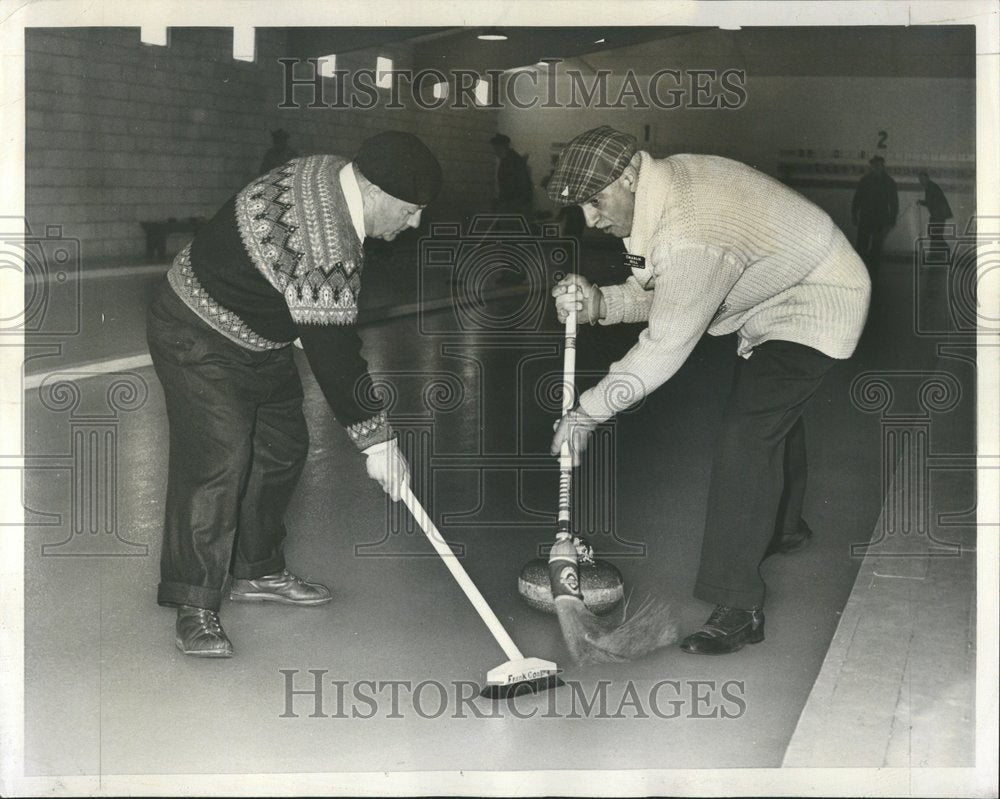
{"x": 589, "y": 163}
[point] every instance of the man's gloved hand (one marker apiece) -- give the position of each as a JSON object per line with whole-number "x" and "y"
{"x": 576, "y": 289}
{"x": 387, "y": 466}
{"x": 575, "y": 428}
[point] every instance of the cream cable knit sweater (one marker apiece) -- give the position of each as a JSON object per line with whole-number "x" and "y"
{"x": 727, "y": 248}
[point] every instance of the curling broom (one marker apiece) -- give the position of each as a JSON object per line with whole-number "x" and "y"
{"x": 519, "y": 674}
{"x": 591, "y": 638}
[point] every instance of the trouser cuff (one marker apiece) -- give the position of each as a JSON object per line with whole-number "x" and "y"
{"x": 198, "y": 596}
{"x": 251, "y": 571}
{"x": 733, "y": 598}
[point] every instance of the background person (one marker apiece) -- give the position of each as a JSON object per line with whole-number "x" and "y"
{"x": 874, "y": 210}
{"x": 940, "y": 212}
{"x": 278, "y": 153}
{"x": 514, "y": 190}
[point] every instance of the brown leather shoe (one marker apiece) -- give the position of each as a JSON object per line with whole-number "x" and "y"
{"x": 200, "y": 634}
{"x": 283, "y": 587}
{"x": 727, "y": 630}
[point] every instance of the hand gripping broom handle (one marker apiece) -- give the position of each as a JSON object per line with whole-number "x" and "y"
{"x": 565, "y": 458}
{"x": 478, "y": 602}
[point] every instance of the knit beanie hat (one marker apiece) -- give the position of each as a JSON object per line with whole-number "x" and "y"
{"x": 401, "y": 165}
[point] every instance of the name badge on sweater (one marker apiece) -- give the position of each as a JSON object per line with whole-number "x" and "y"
{"x": 632, "y": 261}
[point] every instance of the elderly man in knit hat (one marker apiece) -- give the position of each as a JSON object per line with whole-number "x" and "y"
{"x": 715, "y": 246}
{"x": 280, "y": 262}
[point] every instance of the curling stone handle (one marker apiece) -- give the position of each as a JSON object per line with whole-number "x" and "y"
{"x": 461, "y": 577}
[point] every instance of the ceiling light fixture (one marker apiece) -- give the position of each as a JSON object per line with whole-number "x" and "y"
{"x": 599, "y": 41}
{"x": 492, "y": 35}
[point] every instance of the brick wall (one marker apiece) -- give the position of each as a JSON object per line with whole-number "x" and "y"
{"x": 119, "y": 132}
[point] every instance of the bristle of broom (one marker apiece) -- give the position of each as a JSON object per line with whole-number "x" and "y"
{"x": 597, "y": 639}
{"x": 580, "y": 627}
{"x": 649, "y": 627}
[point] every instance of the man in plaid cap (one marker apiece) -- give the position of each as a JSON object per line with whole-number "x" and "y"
{"x": 715, "y": 246}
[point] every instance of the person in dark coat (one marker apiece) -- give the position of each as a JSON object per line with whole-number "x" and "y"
{"x": 514, "y": 192}
{"x": 937, "y": 204}
{"x": 874, "y": 211}
{"x": 278, "y": 153}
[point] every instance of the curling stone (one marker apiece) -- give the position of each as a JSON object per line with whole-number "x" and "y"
{"x": 600, "y": 582}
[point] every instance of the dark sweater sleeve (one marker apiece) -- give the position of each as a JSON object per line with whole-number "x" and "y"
{"x": 334, "y": 355}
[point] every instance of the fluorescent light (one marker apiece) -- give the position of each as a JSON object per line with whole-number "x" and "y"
{"x": 383, "y": 72}
{"x": 157, "y": 36}
{"x": 244, "y": 44}
{"x": 482, "y": 92}
{"x": 492, "y": 35}
{"x": 328, "y": 65}
{"x": 599, "y": 41}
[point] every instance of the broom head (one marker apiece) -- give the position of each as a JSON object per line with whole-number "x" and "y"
{"x": 600, "y": 639}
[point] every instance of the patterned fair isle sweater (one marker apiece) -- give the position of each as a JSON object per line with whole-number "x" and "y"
{"x": 726, "y": 249}
{"x": 281, "y": 260}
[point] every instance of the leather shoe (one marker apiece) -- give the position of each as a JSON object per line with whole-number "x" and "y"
{"x": 791, "y": 542}
{"x": 283, "y": 587}
{"x": 200, "y": 634}
{"x": 727, "y": 630}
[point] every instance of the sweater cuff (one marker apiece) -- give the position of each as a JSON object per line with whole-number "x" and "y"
{"x": 614, "y": 304}
{"x": 592, "y": 405}
{"x": 371, "y": 431}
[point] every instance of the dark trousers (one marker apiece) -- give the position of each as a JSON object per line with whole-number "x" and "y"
{"x": 238, "y": 442}
{"x": 871, "y": 235}
{"x": 938, "y": 244}
{"x": 758, "y": 480}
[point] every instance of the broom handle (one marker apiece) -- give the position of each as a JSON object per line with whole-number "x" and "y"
{"x": 475, "y": 597}
{"x": 565, "y": 458}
